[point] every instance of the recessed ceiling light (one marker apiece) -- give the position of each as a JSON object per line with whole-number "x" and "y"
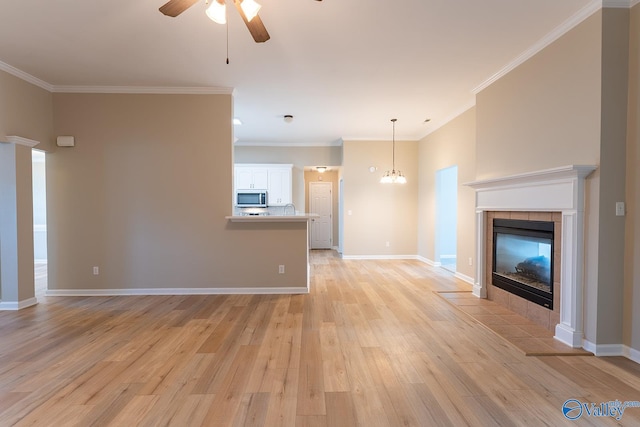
{"x": 288, "y": 118}
{"x": 427, "y": 120}
{"x": 237, "y": 121}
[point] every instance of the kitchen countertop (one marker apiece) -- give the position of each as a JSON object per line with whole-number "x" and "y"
{"x": 298, "y": 217}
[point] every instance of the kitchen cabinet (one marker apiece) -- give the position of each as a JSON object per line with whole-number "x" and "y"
{"x": 275, "y": 178}
{"x": 248, "y": 177}
{"x": 279, "y": 192}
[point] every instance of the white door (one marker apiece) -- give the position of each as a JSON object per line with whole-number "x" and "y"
{"x": 340, "y": 216}
{"x": 320, "y": 202}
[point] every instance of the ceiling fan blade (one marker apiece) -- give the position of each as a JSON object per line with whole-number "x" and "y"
{"x": 174, "y": 8}
{"x": 255, "y": 26}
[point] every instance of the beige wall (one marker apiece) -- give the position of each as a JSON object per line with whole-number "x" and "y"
{"x": 613, "y": 137}
{"x": 452, "y": 145}
{"x": 144, "y": 193}
{"x": 332, "y": 176}
{"x": 549, "y": 104}
{"x": 16, "y": 224}
{"x": 25, "y": 111}
{"x": 299, "y": 157}
{"x": 380, "y": 213}
{"x": 632, "y": 241}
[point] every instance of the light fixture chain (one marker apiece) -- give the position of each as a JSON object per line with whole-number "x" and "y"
{"x": 226, "y": 18}
{"x": 393, "y": 157}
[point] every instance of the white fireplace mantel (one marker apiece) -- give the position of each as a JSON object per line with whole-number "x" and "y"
{"x": 551, "y": 190}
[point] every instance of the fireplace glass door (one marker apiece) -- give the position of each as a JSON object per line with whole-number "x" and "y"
{"x": 523, "y": 259}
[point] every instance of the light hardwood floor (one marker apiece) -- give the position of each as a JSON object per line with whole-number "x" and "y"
{"x": 371, "y": 345}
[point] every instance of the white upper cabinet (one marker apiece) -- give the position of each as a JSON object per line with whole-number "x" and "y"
{"x": 249, "y": 177}
{"x": 275, "y": 178}
{"x": 279, "y": 192}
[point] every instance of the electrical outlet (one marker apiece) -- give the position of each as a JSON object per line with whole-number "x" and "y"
{"x": 281, "y": 269}
{"x": 96, "y": 270}
{"x": 387, "y": 244}
{"x": 470, "y": 261}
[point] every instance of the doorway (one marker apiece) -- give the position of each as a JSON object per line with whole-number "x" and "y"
{"x": 446, "y": 217}
{"x": 38, "y": 165}
{"x": 321, "y": 203}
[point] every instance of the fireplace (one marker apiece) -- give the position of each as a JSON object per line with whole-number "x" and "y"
{"x": 523, "y": 253}
{"x": 559, "y": 190}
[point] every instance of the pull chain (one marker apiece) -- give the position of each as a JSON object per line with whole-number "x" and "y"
{"x": 227, "y": 25}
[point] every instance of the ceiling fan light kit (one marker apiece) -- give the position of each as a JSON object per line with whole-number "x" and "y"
{"x": 217, "y": 12}
{"x": 250, "y": 8}
{"x": 393, "y": 176}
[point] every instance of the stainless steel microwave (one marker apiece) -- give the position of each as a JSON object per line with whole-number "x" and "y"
{"x": 251, "y": 198}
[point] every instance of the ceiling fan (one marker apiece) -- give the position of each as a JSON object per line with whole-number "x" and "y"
{"x": 248, "y": 10}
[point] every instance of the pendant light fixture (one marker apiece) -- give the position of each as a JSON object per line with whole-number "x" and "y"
{"x": 394, "y": 176}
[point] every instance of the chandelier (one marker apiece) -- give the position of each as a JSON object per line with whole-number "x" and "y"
{"x": 393, "y": 176}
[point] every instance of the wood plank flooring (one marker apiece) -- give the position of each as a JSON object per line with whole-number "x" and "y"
{"x": 371, "y": 345}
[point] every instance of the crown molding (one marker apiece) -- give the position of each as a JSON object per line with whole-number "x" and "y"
{"x": 145, "y": 90}
{"x": 18, "y": 140}
{"x": 25, "y": 76}
{"x": 554, "y": 35}
{"x": 336, "y": 143}
{"x": 115, "y": 89}
{"x": 634, "y": 2}
{"x": 621, "y": 4}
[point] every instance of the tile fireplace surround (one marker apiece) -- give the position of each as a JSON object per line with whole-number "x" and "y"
{"x": 536, "y": 313}
{"x": 559, "y": 190}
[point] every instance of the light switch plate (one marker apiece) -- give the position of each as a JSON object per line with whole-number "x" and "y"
{"x": 620, "y": 209}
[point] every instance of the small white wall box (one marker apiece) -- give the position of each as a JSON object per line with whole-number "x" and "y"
{"x": 66, "y": 141}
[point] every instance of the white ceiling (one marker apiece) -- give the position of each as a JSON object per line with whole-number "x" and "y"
{"x": 342, "y": 68}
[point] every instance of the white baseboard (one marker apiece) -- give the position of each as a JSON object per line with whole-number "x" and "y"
{"x": 17, "y": 305}
{"x": 612, "y": 350}
{"x": 479, "y": 291}
{"x": 380, "y": 257}
{"x": 428, "y": 261}
{"x": 175, "y": 291}
{"x": 603, "y": 349}
{"x": 632, "y": 353}
{"x": 464, "y": 278}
